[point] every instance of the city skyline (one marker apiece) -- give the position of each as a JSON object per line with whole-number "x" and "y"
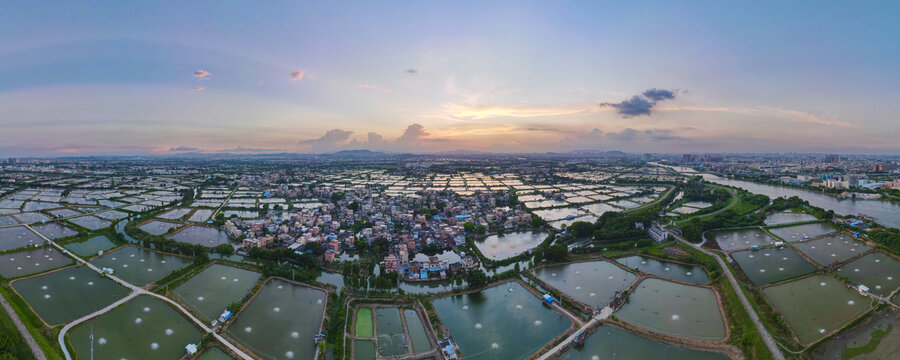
{"x": 128, "y": 79}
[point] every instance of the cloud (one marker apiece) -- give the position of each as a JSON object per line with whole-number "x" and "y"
{"x": 199, "y": 88}
{"x": 643, "y": 104}
{"x": 412, "y": 134}
{"x": 241, "y": 149}
{"x": 372, "y": 87}
{"x": 297, "y": 75}
{"x": 182, "y": 148}
{"x": 659, "y": 94}
{"x": 202, "y": 74}
{"x": 333, "y": 139}
{"x": 412, "y": 71}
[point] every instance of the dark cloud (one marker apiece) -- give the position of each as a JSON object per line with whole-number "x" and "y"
{"x": 641, "y": 104}
{"x": 183, "y": 148}
{"x": 659, "y": 94}
{"x": 412, "y": 71}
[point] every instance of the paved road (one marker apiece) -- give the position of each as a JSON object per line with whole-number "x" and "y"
{"x": 603, "y": 315}
{"x": 767, "y": 338}
{"x": 135, "y": 291}
{"x": 38, "y": 353}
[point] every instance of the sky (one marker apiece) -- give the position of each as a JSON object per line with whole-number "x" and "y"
{"x": 128, "y": 77}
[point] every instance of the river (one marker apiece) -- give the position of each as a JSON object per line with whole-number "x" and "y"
{"x": 884, "y": 212}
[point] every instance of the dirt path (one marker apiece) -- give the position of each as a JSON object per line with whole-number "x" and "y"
{"x": 38, "y": 353}
{"x": 767, "y": 338}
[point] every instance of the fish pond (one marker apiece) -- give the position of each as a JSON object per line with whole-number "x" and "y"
{"x": 214, "y": 353}
{"x": 418, "y": 336}
{"x": 281, "y": 322}
{"x": 780, "y": 218}
{"x": 54, "y": 231}
{"x": 364, "y": 323}
{"x": 742, "y": 239}
{"x": 363, "y": 349}
{"x": 391, "y": 339}
{"x": 772, "y": 264}
{"x": 90, "y": 222}
{"x": 90, "y": 247}
{"x": 832, "y": 248}
{"x": 213, "y": 289}
{"x": 157, "y": 227}
{"x": 143, "y": 328}
{"x": 140, "y": 266}
{"x": 612, "y": 343}
{"x": 801, "y": 232}
{"x": 498, "y": 247}
{"x": 675, "y": 309}
{"x": 501, "y": 322}
{"x": 201, "y": 235}
{"x": 592, "y": 282}
{"x": 68, "y": 294}
{"x": 31, "y": 262}
{"x": 672, "y": 270}
{"x": 877, "y": 271}
{"x": 815, "y": 306}
{"x": 174, "y": 214}
{"x": 18, "y": 237}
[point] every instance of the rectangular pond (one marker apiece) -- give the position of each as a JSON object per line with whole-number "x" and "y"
{"x": 801, "y": 232}
{"x": 832, "y": 248}
{"x": 772, "y": 264}
{"x": 31, "y": 217}
{"x": 501, "y": 322}
{"x": 363, "y": 350}
{"x": 391, "y": 339}
{"x": 214, "y": 288}
{"x": 417, "y": 333}
{"x": 742, "y": 239}
{"x": 143, "y": 328}
{"x": 90, "y": 247}
{"x": 612, "y": 343}
{"x": 365, "y": 327}
{"x": 201, "y": 235}
{"x": 281, "y": 322}
{"x": 140, "y": 266}
{"x": 592, "y": 282}
{"x": 18, "y": 237}
{"x": 675, "y": 309}
{"x": 815, "y": 306}
{"x": 68, "y": 294}
{"x": 788, "y": 218}
{"x": 498, "y": 247}
{"x": 201, "y": 215}
{"x": 54, "y": 231}
{"x": 90, "y": 222}
{"x": 113, "y": 215}
{"x": 31, "y": 262}
{"x": 214, "y": 353}
{"x": 156, "y": 227}
{"x": 174, "y": 214}
{"x": 676, "y": 271}
{"x": 877, "y": 271}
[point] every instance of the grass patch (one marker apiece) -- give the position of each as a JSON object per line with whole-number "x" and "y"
{"x": 12, "y": 344}
{"x": 877, "y": 335}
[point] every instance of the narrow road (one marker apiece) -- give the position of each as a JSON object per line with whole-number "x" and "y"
{"x": 224, "y": 202}
{"x": 35, "y": 349}
{"x": 603, "y": 315}
{"x": 135, "y": 291}
{"x": 767, "y": 338}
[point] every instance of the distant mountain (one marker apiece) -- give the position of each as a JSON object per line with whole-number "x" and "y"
{"x": 356, "y": 154}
